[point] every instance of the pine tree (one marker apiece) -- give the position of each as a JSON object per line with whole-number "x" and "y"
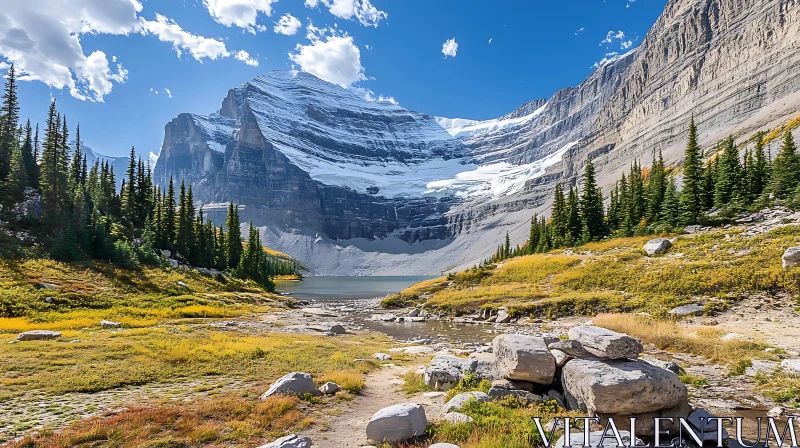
{"x": 592, "y": 204}
{"x": 233, "y": 253}
{"x": 656, "y": 188}
{"x": 506, "y": 248}
{"x": 185, "y": 224}
{"x": 560, "y": 217}
{"x": 709, "y": 174}
{"x": 9, "y": 123}
{"x": 128, "y": 193}
{"x": 785, "y": 168}
{"x": 728, "y": 175}
{"x": 53, "y": 179}
{"x": 170, "y": 218}
{"x": 759, "y": 173}
{"x": 671, "y": 207}
{"x": 533, "y": 235}
{"x": 692, "y": 192}
{"x": 575, "y": 224}
{"x": 77, "y": 161}
{"x": 18, "y": 175}
{"x": 28, "y": 158}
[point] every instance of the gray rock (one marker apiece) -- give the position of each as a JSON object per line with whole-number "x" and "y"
{"x": 524, "y": 358}
{"x": 502, "y": 316}
{"x": 791, "y": 366}
{"x": 459, "y": 400}
{"x": 791, "y": 257}
{"x": 557, "y": 396}
{"x": 657, "y": 246}
{"x": 699, "y": 421}
{"x": 48, "y": 286}
{"x": 570, "y": 347}
{"x": 668, "y": 365}
{"x": 48, "y": 299}
{"x": 694, "y": 228}
{"x": 337, "y": 329}
{"x": 777, "y": 411}
{"x": 606, "y": 343}
{"x": 457, "y": 418}
{"x": 329, "y": 388}
{"x": 414, "y": 312}
{"x": 319, "y": 312}
{"x": 485, "y": 366}
{"x": 514, "y": 385}
{"x": 645, "y": 422}
{"x": 295, "y": 383}
{"x": 693, "y": 309}
{"x": 38, "y": 335}
{"x": 445, "y": 371}
{"x": 758, "y": 366}
{"x": 622, "y": 387}
{"x": 173, "y": 263}
{"x": 498, "y": 393}
{"x": 444, "y": 445}
{"x": 290, "y": 441}
{"x": 382, "y": 357}
{"x": 110, "y": 324}
{"x": 182, "y": 285}
{"x": 397, "y": 423}
{"x": 596, "y": 440}
{"x": 560, "y": 357}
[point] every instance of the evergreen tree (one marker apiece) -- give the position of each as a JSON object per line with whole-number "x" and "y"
{"x": 506, "y": 249}
{"x": 18, "y": 175}
{"x": 9, "y": 123}
{"x": 728, "y": 175}
{"x": 759, "y": 171}
{"x": 709, "y": 175}
{"x": 692, "y": 192}
{"x": 233, "y": 253}
{"x": 28, "y": 157}
{"x": 185, "y": 224}
{"x": 592, "y": 204}
{"x": 76, "y": 166}
{"x": 128, "y": 192}
{"x": 170, "y": 218}
{"x": 785, "y": 168}
{"x": 560, "y": 217}
{"x": 574, "y": 221}
{"x": 671, "y": 207}
{"x": 53, "y": 180}
{"x": 533, "y": 236}
{"x": 656, "y": 188}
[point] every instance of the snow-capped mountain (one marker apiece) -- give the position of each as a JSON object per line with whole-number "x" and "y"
{"x": 352, "y": 186}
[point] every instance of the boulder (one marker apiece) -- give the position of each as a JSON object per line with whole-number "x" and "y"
{"x": 791, "y": 257}
{"x": 622, "y": 387}
{"x": 657, "y": 246}
{"x": 693, "y": 309}
{"x": 110, "y": 324}
{"x": 485, "y": 366}
{"x": 290, "y": 441}
{"x": 337, "y": 329}
{"x": 596, "y": 440}
{"x": 498, "y": 393}
{"x": 445, "y": 371}
{"x": 511, "y": 384}
{"x": 645, "y": 422}
{"x": 38, "y": 335}
{"x": 502, "y": 316}
{"x": 524, "y": 358}
{"x": 557, "y": 396}
{"x": 397, "y": 423}
{"x": 329, "y": 388}
{"x": 295, "y": 383}
{"x": 606, "y": 343}
{"x": 414, "y": 312}
{"x": 457, "y": 418}
{"x": 572, "y": 348}
{"x": 459, "y": 400}
{"x": 382, "y": 357}
{"x": 560, "y": 357}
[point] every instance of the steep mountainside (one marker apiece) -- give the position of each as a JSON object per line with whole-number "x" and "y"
{"x": 351, "y": 186}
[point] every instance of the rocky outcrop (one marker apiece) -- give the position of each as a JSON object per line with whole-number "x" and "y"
{"x": 657, "y": 246}
{"x": 791, "y": 257}
{"x": 38, "y": 335}
{"x": 606, "y": 343}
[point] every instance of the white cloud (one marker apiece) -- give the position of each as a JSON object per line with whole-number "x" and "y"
{"x": 611, "y": 36}
{"x": 579, "y": 30}
{"x": 608, "y": 58}
{"x": 490, "y": 39}
{"x": 361, "y": 10}
{"x": 626, "y": 44}
{"x": 200, "y": 47}
{"x": 43, "y": 40}
{"x": 450, "y": 48}
{"x": 287, "y": 25}
{"x": 241, "y": 13}
{"x": 244, "y": 56}
{"x": 368, "y": 47}
{"x": 167, "y": 91}
{"x": 330, "y": 56}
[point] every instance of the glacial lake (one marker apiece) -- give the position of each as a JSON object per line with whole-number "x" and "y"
{"x": 321, "y": 288}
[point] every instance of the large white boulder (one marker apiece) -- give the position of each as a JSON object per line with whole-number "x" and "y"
{"x": 457, "y": 402}
{"x": 606, "y": 343}
{"x": 622, "y": 387}
{"x": 290, "y": 441}
{"x": 791, "y": 257}
{"x": 295, "y": 383}
{"x": 445, "y": 371}
{"x": 38, "y": 335}
{"x": 524, "y": 358}
{"x": 397, "y": 423}
{"x": 657, "y": 246}
{"x": 596, "y": 440}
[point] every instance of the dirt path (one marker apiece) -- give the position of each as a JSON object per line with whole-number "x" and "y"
{"x": 344, "y": 425}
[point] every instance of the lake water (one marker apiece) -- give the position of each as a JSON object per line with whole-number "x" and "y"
{"x": 320, "y": 288}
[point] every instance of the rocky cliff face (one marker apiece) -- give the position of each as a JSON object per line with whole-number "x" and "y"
{"x": 353, "y": 186}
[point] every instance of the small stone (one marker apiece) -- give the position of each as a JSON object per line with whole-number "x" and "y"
{"x": 295, "y": 383}
{"x": 382, "y": 357}
{"x": 329, "y": 388}
{"x": 777, "y": 411}
{"x": 414, "y": 312}
{"x": 182, "y": 285}
{"x": 561, "y": 357}
{"x": 38, "y": 335}
{"x": 657, "y": 246}
{"x": 457, "y": 417}
{"x": 110, "y": 324}
{"x": 502, "y": 316}
{"x": 694, "y": 309}
{"x": 791, "y": 257}
{"x": 290, "y": 441}
{"x": 48, "y": 299}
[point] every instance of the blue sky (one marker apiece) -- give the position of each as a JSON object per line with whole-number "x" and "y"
{"x": 70, "y": 50}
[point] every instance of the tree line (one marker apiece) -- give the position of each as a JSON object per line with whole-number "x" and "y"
{"x": 648, "y": 200}
{"x": 82, "y": 215}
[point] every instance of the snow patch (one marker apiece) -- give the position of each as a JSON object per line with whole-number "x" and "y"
{"x": 464, "y": 128}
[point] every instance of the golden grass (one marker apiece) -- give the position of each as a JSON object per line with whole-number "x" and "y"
{"x": 211, "y": 422}
{"x": 617, "y": 276}
{"x": 350, "y": 380}
{"x": 105, "y": 360}
{"x": 667, "y": 335}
